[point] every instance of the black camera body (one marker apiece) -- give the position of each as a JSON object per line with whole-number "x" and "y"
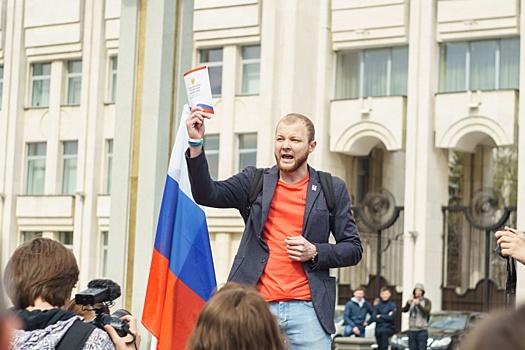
{"x": 100, "y": 298}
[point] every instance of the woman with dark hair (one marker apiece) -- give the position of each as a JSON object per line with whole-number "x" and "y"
{"x": 236, "y": 318}
{"x": 39, "y": 279}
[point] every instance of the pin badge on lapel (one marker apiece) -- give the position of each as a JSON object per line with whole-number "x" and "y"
{"x": 314, "y": 188}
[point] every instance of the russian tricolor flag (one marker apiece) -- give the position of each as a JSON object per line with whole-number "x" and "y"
{"x": 182, "y": 277}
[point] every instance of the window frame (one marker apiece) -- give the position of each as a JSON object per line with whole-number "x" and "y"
{"x": 108, "y": 166}
{"x": 244, "y": 151}
{"x": 71, "y": 100}
{"x": 466, "y": 84}
{"x": 31, "y": 162}
{"x": 211, "y": 153}
{"x": 66, "y": 158}
{"x": 66, "y": 235}
{"x": 104, "y": 252}
{"x": 113, "y": 76}
{"x": 39, "y": 78}
{"x": 213, "y": 64}
{"x": 246, "y": 62}
{"x": 359, "y": 70}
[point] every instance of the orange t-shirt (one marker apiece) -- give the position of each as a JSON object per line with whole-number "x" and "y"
{"x": 283, "y": 278}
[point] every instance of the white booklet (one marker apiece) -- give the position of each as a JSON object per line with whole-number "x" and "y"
{"x": 198, "y": 88}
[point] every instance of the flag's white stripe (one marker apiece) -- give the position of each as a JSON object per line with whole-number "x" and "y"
{"x": 178, "y": 169}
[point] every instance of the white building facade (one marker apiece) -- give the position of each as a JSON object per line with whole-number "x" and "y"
{"x": 395, "y": 88}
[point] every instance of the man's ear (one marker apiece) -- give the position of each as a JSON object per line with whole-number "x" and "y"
{"x": 312, "y": 146}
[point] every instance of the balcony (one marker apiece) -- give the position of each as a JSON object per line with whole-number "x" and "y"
{"x": 53, "y": 213}
{"x": 464, "y": 120}
{"x": 357, "y": 126}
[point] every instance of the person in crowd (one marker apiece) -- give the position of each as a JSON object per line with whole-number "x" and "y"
{"x": 355, "y": 315}
{"x": 285, "y": 250}
{"x": 512, "y": 243}
{"x": 418, "y": 308}
{"x": 236, "y": 318}
{"x": 385, "y": 316}
{"x": 503, "y": 329}
{"x": 39, "y": 278}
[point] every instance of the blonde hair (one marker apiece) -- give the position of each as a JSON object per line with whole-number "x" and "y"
{"x": 236, "y": 318}
{"x": 292, "y": 118}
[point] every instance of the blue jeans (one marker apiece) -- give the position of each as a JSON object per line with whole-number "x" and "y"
{"x": 298, "y": 322}
{"x": 349, "y": 333}
{"x": 417, "y": 340}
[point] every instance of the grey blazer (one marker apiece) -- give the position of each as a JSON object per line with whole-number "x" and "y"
{"x": 253, "y": 251}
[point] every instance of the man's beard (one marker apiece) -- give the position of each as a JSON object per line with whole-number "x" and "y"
{"x": 298, "y": 162}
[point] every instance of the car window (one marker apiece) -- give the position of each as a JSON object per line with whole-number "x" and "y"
{"x": 450, "y": 322}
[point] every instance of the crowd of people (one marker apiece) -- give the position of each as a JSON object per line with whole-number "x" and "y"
{"x": 359, "y": 313}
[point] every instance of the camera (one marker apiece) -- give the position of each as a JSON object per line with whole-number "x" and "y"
{"x": 99, "y": 297}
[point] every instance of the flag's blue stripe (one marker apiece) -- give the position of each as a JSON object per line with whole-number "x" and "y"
{"x": 182, "y": 237}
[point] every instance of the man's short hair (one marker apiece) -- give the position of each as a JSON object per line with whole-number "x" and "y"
{"x": 385, "y": 289}
{"x": 359, "y": 288}
{"x": 292, "y": 118}
{"x": 42, "y": 268}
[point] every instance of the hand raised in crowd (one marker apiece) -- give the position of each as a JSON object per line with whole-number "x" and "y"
{"x": 130, "y": 341}
{"x": 512, "y": 243}
{"x": 195, "y": 123}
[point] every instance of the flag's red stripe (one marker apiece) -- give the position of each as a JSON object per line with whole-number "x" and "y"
{"x": 178, "y": 319}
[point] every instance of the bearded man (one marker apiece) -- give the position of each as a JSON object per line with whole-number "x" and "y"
{"x": 285, "y": 250}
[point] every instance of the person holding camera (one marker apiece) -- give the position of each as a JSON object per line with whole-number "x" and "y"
{"x": 39, "y": 278}
{"x": 512, "y": 243}
{"x": 419, "y": 312}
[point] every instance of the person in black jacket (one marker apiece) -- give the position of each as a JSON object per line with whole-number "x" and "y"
{"x": 385, "y": 315}
{"x": 285, "y": 250}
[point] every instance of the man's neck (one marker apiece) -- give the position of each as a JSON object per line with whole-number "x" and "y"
{"x": 40, "y": 304}
{"x": 294, "y": 176}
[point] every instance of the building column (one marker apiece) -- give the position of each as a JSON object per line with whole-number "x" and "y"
{"x": 520, "y": 214}
{"x": 426, "y": 178}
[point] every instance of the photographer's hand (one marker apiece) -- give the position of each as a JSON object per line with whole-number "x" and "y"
{"x": 512, "y": 243}
{"x": 131, "y": 341}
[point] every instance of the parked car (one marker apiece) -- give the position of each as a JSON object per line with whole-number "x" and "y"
{"x": 340, "y": 327}
{"x": 445, "y": 329}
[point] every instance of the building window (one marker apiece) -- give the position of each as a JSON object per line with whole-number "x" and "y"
{"x": 40, "y": 83}
{"x": 480, "y": 65}
{"x": 69, "y": 167}
{"x": 1, "y": 84}
{"x": 104, "y": 253}
{"x": 251, "y": 69}
{"x": 211, "y": 144}
{"x": 66, "y": 238}
{"x": 109, "y": 164}
{"x": 74, "y": 82}
{"x": 213, "y": 59}
{"x": 247, "y": 150}
{"x": 113, "y": 80}
{"x": 371, "y": 73}
{"x": 36, "y": 168}
{"x": 26, "y": 236}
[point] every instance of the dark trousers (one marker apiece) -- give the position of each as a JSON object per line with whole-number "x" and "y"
{"x": 382, "y": 338}
{"x": 417, "y": 340}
